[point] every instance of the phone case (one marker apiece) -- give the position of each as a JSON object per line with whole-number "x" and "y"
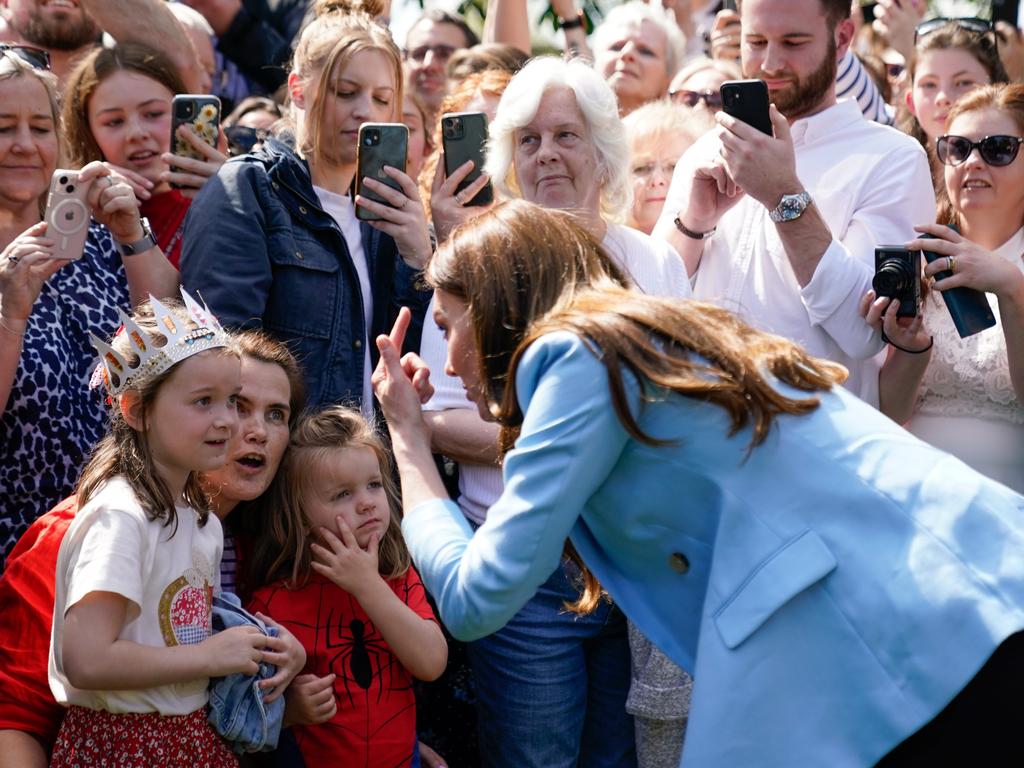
{"x": 380, "y": 144}
{"x": 747, "y": 100}
{"x": 67, "y": 215}
{"x": 464, "y": 135}
{"x": 202, "y": 112}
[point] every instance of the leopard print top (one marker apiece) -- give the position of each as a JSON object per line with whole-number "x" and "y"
{"x": 52, "y": 418}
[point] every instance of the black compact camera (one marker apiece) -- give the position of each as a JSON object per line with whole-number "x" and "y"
{"x": 898, "y": 276}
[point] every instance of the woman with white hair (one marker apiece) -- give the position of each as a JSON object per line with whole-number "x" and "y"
{"x": 557, "y": 141}
{"x": 637, "y": 49}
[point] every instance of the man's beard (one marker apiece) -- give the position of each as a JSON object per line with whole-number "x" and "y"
{"x": 60, "y": 33}
{"x": 804, "y": 96}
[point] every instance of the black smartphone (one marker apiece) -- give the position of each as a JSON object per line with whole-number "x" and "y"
{"x": 747, "y": 100}
{"x": 464, "y": 135}
{"x": 201, "y": 111}
{"x": 380, "y": 144}
{"x": 968, "y": 307}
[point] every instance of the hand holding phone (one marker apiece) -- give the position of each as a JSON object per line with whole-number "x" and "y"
{"x": 67, "y": 215}
{"x": 201, "y": 112}
{"x": 464, "y": 136}
{"x": 380, "y": 145}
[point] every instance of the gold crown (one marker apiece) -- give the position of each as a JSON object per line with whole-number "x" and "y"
{"x": 114, "y": 370}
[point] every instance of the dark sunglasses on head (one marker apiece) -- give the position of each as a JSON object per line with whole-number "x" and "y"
{"x": 441, "y": 52}
{"x": 242, "y": 138}
{"x": 713, "y": 99}
{"x": 971, "y": 24}
{"x": 994, "y": 150}
{"x": 34, "y": 57}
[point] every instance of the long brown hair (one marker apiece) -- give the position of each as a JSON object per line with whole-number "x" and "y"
{"x": 125, "y": 451}
{"x": 87, "y": 76}
{"x": 525, "y": 271}
{"x": 324, "y": 49}
{"x": 283, "y": 551}
{"x": 1006, "y": 98}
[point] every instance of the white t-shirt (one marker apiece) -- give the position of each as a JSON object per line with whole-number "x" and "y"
{"x": 111, "y": 546}
{"x": 343, "y": 211}
{"x": 652, "y": 264}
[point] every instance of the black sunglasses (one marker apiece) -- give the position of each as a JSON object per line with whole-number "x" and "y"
{"x": 36, "y": 58}
{"x": 971, "y": 24}
{"x": 242, "y": 138}
{"x": 994, "y": 150}
{"x": 713, "y": 99}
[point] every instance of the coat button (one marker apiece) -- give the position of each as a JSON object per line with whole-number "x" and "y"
{"x": 299, "y": 256}
{"x": 274, "y": 185}
{"x": 358, "y": 344}
{"x": 302, "y": 210}
{"x": 677, "y": 562}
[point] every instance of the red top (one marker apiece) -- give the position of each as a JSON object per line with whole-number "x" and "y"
{"x": 376, "y": 720}
{"x": 26, "y": 619}
{"x": 166, "y": 214}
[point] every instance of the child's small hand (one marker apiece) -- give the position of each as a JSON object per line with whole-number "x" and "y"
{"x": 309, "y": 700}
{"x": 238, "y": 649}
{"x": 284, "y": 652}
{"x": 344, "y": 562}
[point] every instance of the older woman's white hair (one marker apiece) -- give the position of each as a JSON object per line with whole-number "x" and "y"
{"x": 519, "y": 104}
{"x": 633, "y": 14}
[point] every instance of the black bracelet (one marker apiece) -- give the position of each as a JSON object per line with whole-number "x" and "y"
{"x": 690, "y": 233}
{"x": 577, "y": 23}
{"x": 891, "y": 343}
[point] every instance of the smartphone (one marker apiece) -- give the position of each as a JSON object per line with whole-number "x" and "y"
{"x": 747, "y": 100}
{"x": 380, "y": 144}
{"x": 202, "y": 113}
{"x": 67, "y": 215}
{"x": 464, "y": 135}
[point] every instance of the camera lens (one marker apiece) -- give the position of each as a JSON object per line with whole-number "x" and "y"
{"x": 893, "y": 278}
{"x": 63, "y": 179}
{"x": 70, "y": 188}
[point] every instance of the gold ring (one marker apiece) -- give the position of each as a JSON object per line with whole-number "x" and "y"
{"x": 951, "y": 263}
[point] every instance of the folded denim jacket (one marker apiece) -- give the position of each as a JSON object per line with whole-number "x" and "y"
{"x": 237, "y": 710}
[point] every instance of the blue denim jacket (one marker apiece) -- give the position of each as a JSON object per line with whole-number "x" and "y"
{"x": 237, "y": 711}
{"x": 262, "y": 252}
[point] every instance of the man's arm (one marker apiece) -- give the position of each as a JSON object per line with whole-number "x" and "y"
{"x": 151, "y": 23}
{"x": 507, "y": 22}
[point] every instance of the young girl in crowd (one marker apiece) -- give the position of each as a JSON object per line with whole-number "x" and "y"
{"x": 275, "y": 241}
{"x": 117, "y": 108}
{"x": 344, "y": 585}
{"x": 950, "y": 58}
{"x": 131, "y": 651}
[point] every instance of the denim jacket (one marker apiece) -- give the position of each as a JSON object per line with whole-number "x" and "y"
{"x": 262, "y": 252}
{"x": 237, "y": 711}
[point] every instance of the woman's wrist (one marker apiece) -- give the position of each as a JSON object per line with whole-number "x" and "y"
{"x": 15, "y": 326}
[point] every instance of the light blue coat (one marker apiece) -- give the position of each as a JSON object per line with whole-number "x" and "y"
{"x": 830, "y": 592}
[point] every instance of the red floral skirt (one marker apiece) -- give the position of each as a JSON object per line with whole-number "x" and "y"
{"x": 90, "y": 737}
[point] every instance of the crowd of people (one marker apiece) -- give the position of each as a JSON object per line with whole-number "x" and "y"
{"x": 620, "y": 449}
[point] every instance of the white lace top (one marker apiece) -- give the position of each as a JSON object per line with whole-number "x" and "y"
{"x": 970, "y": 377}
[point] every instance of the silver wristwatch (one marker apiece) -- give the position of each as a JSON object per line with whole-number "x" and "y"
{"x": 141, "y": 245}
{"x": 791, "y": 207}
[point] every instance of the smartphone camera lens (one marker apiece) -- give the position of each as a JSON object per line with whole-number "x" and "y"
{"x": 70, "y": 188}
{"x": 63, "y": 179}
{"x": 184, "y": 109}
{"x": 371, "y": 139}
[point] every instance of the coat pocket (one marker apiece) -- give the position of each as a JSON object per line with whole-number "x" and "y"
{"x": 792, "y": 568}
{"x": 304, "y": 290}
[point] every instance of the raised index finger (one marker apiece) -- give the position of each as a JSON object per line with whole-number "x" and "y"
{"x": 399, "y": 329}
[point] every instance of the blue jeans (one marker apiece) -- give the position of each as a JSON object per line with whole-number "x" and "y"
{"x": 552, "y": 686}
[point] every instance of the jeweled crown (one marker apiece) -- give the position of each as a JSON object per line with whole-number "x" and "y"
{"x": 183, "y": 341}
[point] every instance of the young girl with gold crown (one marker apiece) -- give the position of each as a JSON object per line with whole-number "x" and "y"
{"x": 131, "y": 650}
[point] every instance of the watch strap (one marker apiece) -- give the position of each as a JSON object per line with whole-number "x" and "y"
{"x": 143, "y": 244}
{"x": 576, "y": 22}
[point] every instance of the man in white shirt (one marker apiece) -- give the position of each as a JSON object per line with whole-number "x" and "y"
{"x": 782, "y": 230}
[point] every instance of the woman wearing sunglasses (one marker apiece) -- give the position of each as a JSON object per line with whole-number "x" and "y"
{"x": 49, "y": 419}
{"x": 966, "y": 396}
{"x": 696, "y": 85}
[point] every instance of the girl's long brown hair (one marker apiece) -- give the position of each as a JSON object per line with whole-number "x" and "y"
{"x": 526, "y": 271}
{"x": 283, "y": 552}
{"x": 125, "y": 451}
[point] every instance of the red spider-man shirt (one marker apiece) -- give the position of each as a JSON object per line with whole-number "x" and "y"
{"x": 375, "y": 726}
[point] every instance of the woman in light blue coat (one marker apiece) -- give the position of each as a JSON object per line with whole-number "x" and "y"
{"x": 831, "y": 582}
